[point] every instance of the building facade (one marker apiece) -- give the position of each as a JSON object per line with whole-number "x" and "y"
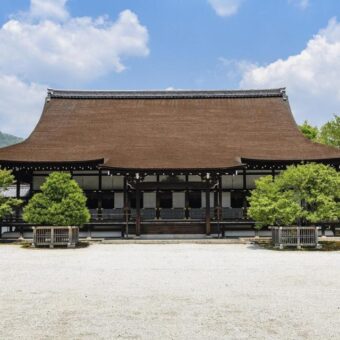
{"x": 163, "y": 161}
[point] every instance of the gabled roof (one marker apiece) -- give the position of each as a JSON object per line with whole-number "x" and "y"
{"x": 166, "y": 130}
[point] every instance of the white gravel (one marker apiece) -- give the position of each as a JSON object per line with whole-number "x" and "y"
{"x": 168, "y": 291}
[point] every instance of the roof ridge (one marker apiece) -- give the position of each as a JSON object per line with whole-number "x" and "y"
{"x": 163, "y": 94}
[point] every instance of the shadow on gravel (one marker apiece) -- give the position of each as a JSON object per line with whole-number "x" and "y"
{"x": 326, "y": 246}
{"x": 28, "y": 245}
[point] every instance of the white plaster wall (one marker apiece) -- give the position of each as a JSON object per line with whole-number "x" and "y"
{"x": 232, "y": 182}
{"x": 37, "y": 182}
{"x": 118, "y": 182}
{"x": 89, "y": 182}
{"x": 251, "y": 180}
{"x": 178, "y": 199}
{"x": 119, "y": 200}
{"x": 226, "y": 201}
{"x": 211, "y": 199}
{"x": 194, "y": 178}
{"x": 149, "y": 200}
{"x": 150, "y": 179}
{"x": 107, "y": 182}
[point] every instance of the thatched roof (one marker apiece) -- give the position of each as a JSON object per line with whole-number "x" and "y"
{"x": 166, "y": 130}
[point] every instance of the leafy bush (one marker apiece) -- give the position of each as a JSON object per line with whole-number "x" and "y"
{"x": 307, "y": 193}
{"x": 60, "y": 203}
{"x": 7, "y": 204}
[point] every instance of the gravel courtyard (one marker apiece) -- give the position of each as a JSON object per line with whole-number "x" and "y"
{"x": 168, "y": 291}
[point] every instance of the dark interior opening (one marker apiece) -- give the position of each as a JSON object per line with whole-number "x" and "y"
{"x": 237, "y": 198}
{"x": 108, "y": 203}
{"x": 165, "y": 199}
{"x": 133, "y": 200}
{"x": 195, "y": 199}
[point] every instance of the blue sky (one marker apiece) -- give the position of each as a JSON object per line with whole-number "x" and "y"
{"x": 179, "y": 44}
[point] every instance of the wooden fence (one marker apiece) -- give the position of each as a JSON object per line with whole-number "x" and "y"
{"x": 295, "y": 237}
{"x": 55, "y": 236}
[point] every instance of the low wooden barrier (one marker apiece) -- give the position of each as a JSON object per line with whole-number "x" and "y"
{"x": 295, "y": 237}
{"x": 55, "y": 236}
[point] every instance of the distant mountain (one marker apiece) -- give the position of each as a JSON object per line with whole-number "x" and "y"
{"x": 6, "y": 139}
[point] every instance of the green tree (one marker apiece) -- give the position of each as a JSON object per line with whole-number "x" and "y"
{"x": 7, "y": 204}
{"x": 308, "y": 193}
{"x": 309, "y": 131}
{"x": 60, "y": 203}
{"x": 330, "y": 132}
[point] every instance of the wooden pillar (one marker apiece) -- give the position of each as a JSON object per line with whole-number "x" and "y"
{"x": 220, "y": 193}
{"x": 244, "y": 193}
{"x": 216, "y": 203}
{"x": 158, "y": 201}
{"x": 18, "y": 189}
{"x": 207, "y": 209}
{"x": 17, "y": 195}
{"x": 31, "y": 187}
{"x": 100, "y": 202}
{"x": 187, "y": 213}
{"x": 219, "y": 206}
{"x": 273, "y": 174}
{"x": 138, "y": 215}
{"x": 126, "y": 207}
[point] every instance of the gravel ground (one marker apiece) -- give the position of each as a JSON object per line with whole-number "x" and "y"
{"x": 168, "y": 291}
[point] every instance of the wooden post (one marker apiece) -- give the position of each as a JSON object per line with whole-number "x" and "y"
{"x": 126, "y": 208}
{"x": 298, "y": 246}
{"x": 69, "y": 245}
{"x": 273, "y": 174}
{"x": 138, "y": 216}
{"x": 158, "y": 202}
{"x": 100, "y": 202}
{"x": 244, "y": 193}
{"x": 17, "y": 210}
{"x": 52, "y": 238}
{"x": 187, "y": 213}
{"x": 31, "y": 188}
{"x": 220, "y": 194}
{"x": 207, "y": 209}
{"x": 34, "y": 236}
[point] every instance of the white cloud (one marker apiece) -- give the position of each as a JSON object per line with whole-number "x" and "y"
{"x": 20, "y": 105}
{"x": 46, "y": 45}
{"x": 49, "y": 9}
{"x": 312, "y": 77}
{"x": 225, "y": 8}
{"x": 79, "y": 49}
{"x": 303, "y": 4}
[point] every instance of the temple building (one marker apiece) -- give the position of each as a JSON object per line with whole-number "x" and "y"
{"x": 163, "y": 161}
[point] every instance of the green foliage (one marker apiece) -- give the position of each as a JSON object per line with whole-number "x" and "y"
{"x": 330, "y": 132}
{"x": 7, "y": 204}
{"x": 309, "y": 131}
{"x": 60, "y": 203}
{"x": 307, "y": 193}
{"x": 6, "y": 139}
{"x": 270, "y": 206}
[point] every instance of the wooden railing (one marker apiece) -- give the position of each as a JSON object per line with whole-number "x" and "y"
{"x": 295, "y": 236}
{"x": 55, "y": 236}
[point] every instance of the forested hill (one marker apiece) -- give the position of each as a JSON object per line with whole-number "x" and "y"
{"x": 6, "y": 139}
